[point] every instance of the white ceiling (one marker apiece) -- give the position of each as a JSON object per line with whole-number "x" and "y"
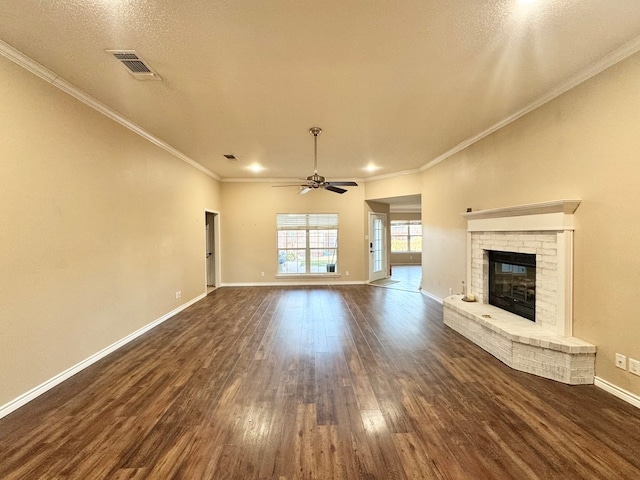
{"x": 395, "y": 84}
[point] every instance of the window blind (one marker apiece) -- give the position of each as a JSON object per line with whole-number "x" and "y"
{"x": 306, "y": 221}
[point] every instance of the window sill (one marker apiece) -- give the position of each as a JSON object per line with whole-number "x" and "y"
{"x": 308, "y": 275}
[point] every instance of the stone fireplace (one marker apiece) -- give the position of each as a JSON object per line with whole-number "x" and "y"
{"x": 546, "y": 347}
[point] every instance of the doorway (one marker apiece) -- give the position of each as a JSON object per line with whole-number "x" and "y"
{"x": 378, "y": 267}
{"x": 212, "y": 276}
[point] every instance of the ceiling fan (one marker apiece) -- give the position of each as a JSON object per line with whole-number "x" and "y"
{"x": 315, "y": 180}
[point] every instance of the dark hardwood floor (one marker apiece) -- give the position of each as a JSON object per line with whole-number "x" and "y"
{"x": 350, "y": 382}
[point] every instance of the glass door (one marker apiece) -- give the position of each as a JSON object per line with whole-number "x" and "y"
{"x": 377, "y": 246}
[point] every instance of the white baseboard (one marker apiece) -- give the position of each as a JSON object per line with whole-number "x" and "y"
{"x": 621, "y": 393}
{"x": 25, "y": 398}
{"x": 432, "y": 296}
{"x": 300, "y": 283}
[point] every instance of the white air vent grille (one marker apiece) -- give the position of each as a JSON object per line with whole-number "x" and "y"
{"x": 136, "y": 66}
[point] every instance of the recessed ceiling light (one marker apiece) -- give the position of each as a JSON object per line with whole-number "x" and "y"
{"x": 526, "y": 2}
{"x": 371, "y": 168}
{"x": 255, "y": 168}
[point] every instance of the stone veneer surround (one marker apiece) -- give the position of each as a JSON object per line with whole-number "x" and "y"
{"x": 545, "y": 247}
{"x": 546, "y": 347}
{"x": 543, "y": 229}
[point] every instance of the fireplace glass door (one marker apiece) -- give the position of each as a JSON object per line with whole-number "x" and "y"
{"x": 512, "y": 282}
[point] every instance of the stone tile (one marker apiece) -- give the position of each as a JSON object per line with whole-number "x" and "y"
{"x": 521, "y": 344}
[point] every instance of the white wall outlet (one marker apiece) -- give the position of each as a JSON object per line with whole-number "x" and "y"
{"x": 634, "y": 366}
{"x": 262, "y": 274}
{"x": 347, "y": 273}
{"x": 179, "y": 294}
{"x": 621, "y": 361}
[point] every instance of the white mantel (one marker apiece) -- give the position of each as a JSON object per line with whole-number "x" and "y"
{"x": 544, "y": 229}
{"x": 556, "y": 215}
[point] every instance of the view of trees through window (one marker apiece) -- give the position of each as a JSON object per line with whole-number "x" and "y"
{"x": 307, "y": 243}
{"x": 406, "y": 236}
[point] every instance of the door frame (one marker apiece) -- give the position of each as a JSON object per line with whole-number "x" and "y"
{"x": 385, "y": 257}
{"x": 216, "y": 249}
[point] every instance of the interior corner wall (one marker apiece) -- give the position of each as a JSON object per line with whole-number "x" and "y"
{"x": 249, "y": 231}
{"x": 100, "y": 228}
{"x": 582, "y": 145}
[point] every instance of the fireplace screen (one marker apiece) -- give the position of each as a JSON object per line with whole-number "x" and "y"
{"x": 512, "y": 282}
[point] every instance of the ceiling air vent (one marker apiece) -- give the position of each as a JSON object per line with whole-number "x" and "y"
{"x": 136, "y": 66}
{"x": 230, "y": 156}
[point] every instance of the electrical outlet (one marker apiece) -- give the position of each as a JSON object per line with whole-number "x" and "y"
{"x": 347, "y": 273}
{"x": 621, "y": 361}
{"x": 262, "y": 274}
{"x": 634, "y": 366}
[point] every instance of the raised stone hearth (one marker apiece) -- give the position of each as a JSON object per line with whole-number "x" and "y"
{"x": 520, "y": 343}
{"x": 547, "y": 347}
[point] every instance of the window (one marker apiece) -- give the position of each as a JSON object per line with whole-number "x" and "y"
{"x": 406, "y": 236}
{"x": 307, "y": 243}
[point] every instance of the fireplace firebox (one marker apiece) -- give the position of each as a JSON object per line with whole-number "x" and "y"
{"x": 512, "y": 282}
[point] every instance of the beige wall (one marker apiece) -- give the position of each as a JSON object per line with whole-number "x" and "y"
{"x": 248, "y": 228}
{"x": 99, "y": 230}
{"x": 400, "y": 186}
{"x": 583, "y": 145}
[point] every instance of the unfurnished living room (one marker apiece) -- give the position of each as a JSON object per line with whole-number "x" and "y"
{"x": 319, "y": 240}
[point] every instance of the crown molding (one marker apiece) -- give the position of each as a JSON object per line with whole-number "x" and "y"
{"x": 592, "y": 70}
{"x": 297, "y": 180}
{"x": 595, "y": 68}
{"x": 392, "y": 175}
{"x": 281, "y": 180}
{"x": 34, "y": 67}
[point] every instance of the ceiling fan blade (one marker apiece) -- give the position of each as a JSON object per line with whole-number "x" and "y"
{"x": 304, "y": 190}
{"x": 343, "y": 184}
{"x": 331, "y": 188}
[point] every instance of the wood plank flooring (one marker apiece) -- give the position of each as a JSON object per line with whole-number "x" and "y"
{"x": 349, "y": 382}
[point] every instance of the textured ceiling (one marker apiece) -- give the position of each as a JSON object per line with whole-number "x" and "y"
{"x": 395, "y": 84}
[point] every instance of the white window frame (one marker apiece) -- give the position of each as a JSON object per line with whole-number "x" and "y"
{"x": 408, "y": 223}
{"x": 307, "y": 222}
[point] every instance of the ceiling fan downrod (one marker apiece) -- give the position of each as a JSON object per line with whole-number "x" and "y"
{"x": 315, "y": 131}
{"x": 318, "y": 181}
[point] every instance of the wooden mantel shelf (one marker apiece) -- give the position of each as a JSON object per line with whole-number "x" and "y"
{"x": 568, "y": 207}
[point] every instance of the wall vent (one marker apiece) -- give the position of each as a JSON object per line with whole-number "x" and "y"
{"x": 136, "y": 66}
{"x": 230, "y": 156}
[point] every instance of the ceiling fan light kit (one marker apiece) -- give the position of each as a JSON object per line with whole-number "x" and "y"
{"x": 318, "y": 181}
